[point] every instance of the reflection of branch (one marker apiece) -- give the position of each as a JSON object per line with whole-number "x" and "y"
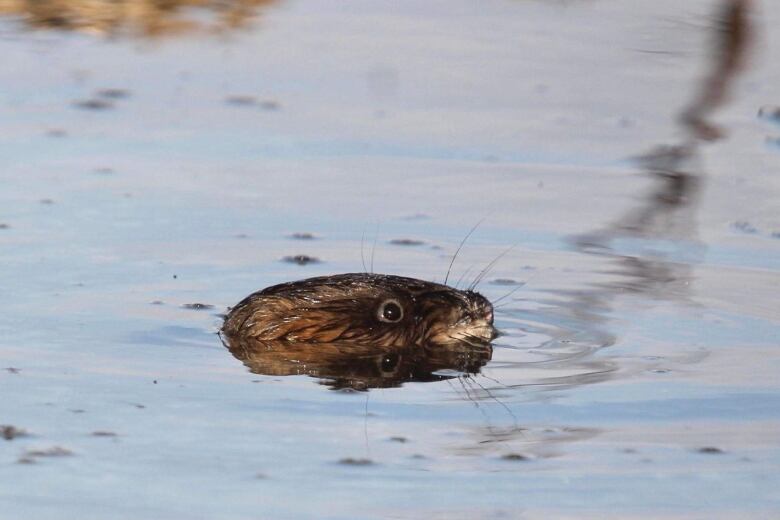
{"x": 732, "y": 44}
{"x": 645, "y": 244}
{"x": 148, "y": 18}
{"x": 667, "y": 212}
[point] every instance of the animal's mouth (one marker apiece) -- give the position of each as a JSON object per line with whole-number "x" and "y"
{"x": 480, "y": 332}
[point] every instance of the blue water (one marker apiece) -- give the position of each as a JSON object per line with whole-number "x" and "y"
{"x": 638, "y": 371}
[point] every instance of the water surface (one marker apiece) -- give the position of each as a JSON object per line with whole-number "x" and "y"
{"x": 146, "y": 168}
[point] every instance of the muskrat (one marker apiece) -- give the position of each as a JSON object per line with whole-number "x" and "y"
{"x": 365, "y": 309}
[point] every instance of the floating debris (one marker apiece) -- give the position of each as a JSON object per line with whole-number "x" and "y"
{"x": 93, "y": 104}
{"x": 771, "y": 113}
{"x": 302, "y": 236}
{"x": 402, "y": 440}
{"x": 506, "y": 281}
{"x": 100, "y": 433}
{"x": 240, "y": 100}
{"x": 710, "y": 450}
{"x": 113, "y": 93}
{"x": 10, "y": 433}
{"x": 406, "y": 242}
{"x": 56, "y": 132}
{"x": 54, "y": 451}
{"x": 197, "y": 306}
{"x": 270, "y": 105}
{"x": 745, "y": 227}
{"x": 514, "y": 456}
{"x": 416, "y": 216}
{"x": 349, "y": 461}
{"x": 301, "y": 259}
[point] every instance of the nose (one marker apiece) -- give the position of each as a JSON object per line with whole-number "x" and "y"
{"x": 488, "y": 315}
{"x": 494, "y": 333}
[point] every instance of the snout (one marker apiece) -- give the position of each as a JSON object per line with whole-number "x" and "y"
{"x": 486, "y": 332}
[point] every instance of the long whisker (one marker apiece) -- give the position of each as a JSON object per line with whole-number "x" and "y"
{"x": 488, "y": 267}
{"x": 362, "y": 256}
{"x": 510, "y": 293}
{"x": 462, "y": 276}
{"x": 373, "y": 248}
{"x": 513, "y": 291}
{"x": 459, "y": 248}
{"x": 499, "y": 401}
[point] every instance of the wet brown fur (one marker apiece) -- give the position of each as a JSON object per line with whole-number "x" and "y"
{"x": 343, "y": 308}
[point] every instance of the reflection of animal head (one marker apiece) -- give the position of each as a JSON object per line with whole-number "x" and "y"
{"x": 363, "y": 309}
{"x": 346, "y": 365}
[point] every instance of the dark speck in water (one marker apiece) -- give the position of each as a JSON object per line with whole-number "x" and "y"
{"x": 417, "y": 216}
{"x": 745, "y": 227}
{"x": 103, "y": 434}
{"x": 113, "y": 93}
{"x": 402, "y": 440}
{"x": 270, "y": 104}
{"x": 776, "y": 234}
{"x": 261, "y": 476}
{"x": 302, "y": 236}
{"x": 56, "y": 132}
{"x": 197, "y": 306}
{"x": 13, "y": 370}
{"x": 514, "y": 456}
{"x": 710, "y": 450}
{"x": 26, "y": 460}
{"x": 241, "y": 235}
{"x": 175, "y": 276}
{"x": 46, "y": 201}
{"x": 157, "y": 302}
{"x": 104, "y": 171}
{"x": 10, "y": 433}
{"x": 77, "y": 410}
{"x": 301, "y": 259}
{"x": 349, "y": 461}
{"x": 4, "y": 226}
{"x": 406, "y": 242}
{"x": 770, "y": 113}
{"x": 241, "y": 101}
{"x": 54, "y": 451}
{"x": 506, "y": 281}
{"x": 93, "y": 104}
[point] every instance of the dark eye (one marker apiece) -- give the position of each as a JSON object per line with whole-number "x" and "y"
{"x": 390, "y": 311}
{"x": 389, "y": 362}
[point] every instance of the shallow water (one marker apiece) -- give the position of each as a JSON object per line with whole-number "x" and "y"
{"x": 638, "y": 371}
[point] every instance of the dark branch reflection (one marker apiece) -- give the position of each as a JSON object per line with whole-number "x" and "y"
{"x": 663, "y": 226}
{"x": 358, "y": 367}
{"x": 651, "y": 249}
{"x": 143, "y": 18}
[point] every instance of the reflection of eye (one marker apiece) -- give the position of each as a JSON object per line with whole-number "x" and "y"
{"x": 390, "y": 311}
{"x": 389, "y": 363}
